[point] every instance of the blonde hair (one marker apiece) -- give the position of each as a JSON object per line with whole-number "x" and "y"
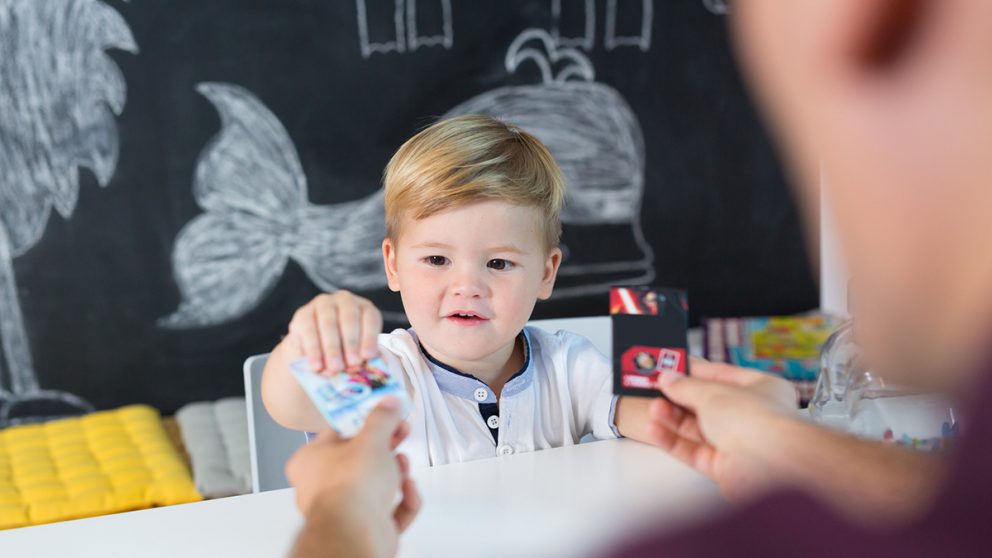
{"x": 473, "y": 158}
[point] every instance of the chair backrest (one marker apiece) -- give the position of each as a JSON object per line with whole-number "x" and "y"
{"x": 270, "y": 444}
{"x": 596, "y": 329}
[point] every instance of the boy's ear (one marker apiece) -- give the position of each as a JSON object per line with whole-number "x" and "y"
{"x": 551, "y": 265}
{"x": 389, "y": 262}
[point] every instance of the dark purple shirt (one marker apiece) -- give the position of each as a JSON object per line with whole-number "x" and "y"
{"x": 792, "y": 524}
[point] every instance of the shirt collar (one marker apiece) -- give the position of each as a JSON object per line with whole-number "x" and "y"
{"x": 466, "y": 386}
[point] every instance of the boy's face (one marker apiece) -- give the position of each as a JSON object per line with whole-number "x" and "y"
{"x": 469, "y": 276}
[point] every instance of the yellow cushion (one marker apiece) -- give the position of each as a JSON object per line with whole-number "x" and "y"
{"x": 101, "y": 463}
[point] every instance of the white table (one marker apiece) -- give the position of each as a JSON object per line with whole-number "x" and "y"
{"x": 560, "y": 502}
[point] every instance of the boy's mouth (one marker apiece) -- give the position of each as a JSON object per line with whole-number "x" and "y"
{"x": 466, "y": 317}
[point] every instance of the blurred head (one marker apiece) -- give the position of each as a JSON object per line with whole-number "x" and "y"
{"x": 891, "y": 100}
{"x": 472, "y": 217}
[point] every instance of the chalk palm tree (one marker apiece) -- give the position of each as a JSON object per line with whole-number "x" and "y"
{"x": 59, "y": 92}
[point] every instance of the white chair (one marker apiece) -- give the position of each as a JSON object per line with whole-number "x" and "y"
{"x": 594, "y": 328}
{"x": 271, "y": 445}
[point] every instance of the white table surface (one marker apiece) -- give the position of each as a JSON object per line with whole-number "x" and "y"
{"x": 560, "y": 502}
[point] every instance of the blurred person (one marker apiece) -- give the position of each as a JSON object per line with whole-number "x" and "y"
{"x": 891, "y": 99}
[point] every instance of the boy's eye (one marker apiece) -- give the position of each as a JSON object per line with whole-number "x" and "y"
{"x": 499, "y": 264}
{"x": 436, "y": 260}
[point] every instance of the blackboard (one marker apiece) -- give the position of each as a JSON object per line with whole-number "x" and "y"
{"x": 217, "y": 126}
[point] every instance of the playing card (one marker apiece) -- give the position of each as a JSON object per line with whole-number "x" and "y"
{"x": 346, "y": 398}
{"x": 650, "y": 335}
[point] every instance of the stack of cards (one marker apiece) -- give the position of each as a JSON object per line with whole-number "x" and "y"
{"x": 346, "y": 398}
{"x": 650, "y": 334}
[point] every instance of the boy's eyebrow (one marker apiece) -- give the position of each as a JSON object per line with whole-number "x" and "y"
{"x": 507, "y": 248}
{"x": 502, "y": 248}
{"x": 431, "y": 245}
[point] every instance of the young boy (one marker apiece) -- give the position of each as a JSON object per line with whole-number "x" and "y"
{"x": 472, "y": 210}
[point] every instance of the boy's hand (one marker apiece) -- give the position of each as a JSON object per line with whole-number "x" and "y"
{"x": 335, "y": 332}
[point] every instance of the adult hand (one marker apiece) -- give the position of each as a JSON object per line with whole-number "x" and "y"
{"x": 347, "y": 489}
{"x": 719, "y": 421}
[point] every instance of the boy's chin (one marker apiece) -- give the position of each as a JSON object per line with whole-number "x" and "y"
{"x": 467, "y": 344}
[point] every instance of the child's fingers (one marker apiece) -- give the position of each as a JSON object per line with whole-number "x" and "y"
{"x": 350, "y": 323}
{"x": 304, "y": 329}
{"x": 371, "y": 327}
{"x": 294, "y": 345}
{"x": 330, "y": 340}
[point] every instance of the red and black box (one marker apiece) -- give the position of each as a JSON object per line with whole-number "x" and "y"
{"x": 650, "y": 334}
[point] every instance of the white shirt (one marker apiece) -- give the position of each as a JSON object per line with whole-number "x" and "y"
{"x": 562, "y": 393}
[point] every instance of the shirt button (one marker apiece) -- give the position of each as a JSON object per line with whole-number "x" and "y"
{"x": 493, "y": 421}
{"x": 481, "y": 394}
{"x": 505, "y": 450}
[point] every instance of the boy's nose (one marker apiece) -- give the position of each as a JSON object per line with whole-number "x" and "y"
{"x": 468, "y": 285}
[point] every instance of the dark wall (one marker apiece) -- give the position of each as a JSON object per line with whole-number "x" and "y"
{"x": 715, "y": 210}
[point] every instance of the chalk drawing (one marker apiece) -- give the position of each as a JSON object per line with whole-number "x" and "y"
{"x": 257, "y": 217}
{"x": 59, "y": 93}
{"x": 718, "y": 7}
{"x": 588, "y": 39}
{"x": 250, "y": 183}
{"x": 596, "y": 139}
{"x": 370, "y": 47}
{"x": 402, "y": 27}
{"x": 641, "y": 40}
{"x": 444, "y": 39}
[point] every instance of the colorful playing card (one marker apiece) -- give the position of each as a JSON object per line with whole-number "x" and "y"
{"x": 346, "y": 398}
